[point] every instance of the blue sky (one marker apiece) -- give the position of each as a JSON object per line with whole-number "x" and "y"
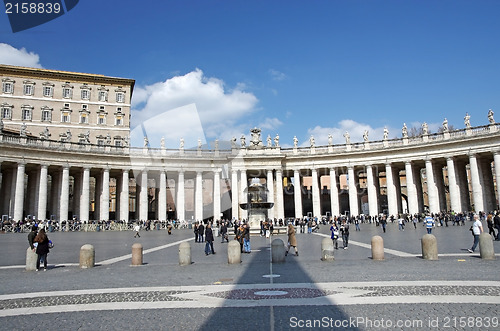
{"x": 293, "y": 68}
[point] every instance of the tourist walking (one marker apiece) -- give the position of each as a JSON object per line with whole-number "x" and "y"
{"x": 137, "y": 228}
{"x": 195, "y": 231}
{"x": 201, "y": 231}
{"x": 223, "y": 232}
{"x": 42, "y": 249}
{"x": 292, "y": 241}
{"x": 335, "y": 235}
{"x": 383, "y": 222}
{"x": 477, "y": 229}
{"x": 344, "y": 230}
{"x": 401, "y": 223}
{"x": 429, "y": 223}
{"x": 246, "y": 239}
{"x": 489, "y": 222}
{"x": 240, "y": 235}
{"x": 209, "y": 240}
{"x": 496, "y": 222}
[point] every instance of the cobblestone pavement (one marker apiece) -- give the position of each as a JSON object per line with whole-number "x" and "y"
{"x": 459, "y": 291}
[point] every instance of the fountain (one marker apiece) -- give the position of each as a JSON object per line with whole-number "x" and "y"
{"x": 257, "y": 206}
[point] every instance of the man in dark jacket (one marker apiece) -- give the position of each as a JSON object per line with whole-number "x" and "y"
{"x": 209, "y": 239}
{"x": 201, "y": 230}
{"x": 223, "y": 232}
{"x": 496, "y": 221}
{"x": 31, "y": 237}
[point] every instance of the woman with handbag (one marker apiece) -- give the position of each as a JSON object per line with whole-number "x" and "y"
{"x": 42, "y": 249}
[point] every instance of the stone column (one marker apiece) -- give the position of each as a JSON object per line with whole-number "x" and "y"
{"x": 235, "y": 207}
{"x": 486, "y": 177}
{"x": 334, "y": 193}
{"x": 85, "y": 197}
{"x": 104, "y": 214}
{"x": 31, "y": 201}
{"x": 315, "y": 194}
{"x": 64, "y": 199}
{"x": 353, "y": 192}
{"x": 496, "y": 159}
{"x": 198, "y": 201}
{"x": 180, "y": 208}
{"x": 77, "y": 192}
{"x": 217, "y": 199}
{"x": 439, "y": 180}
{"x": 244, "y": 197}
{"x": 372, "y": 191}
{"x": 19, "y": 192}
{"x": 42, "y": 193}
{"x": 7, "y": 188}
{"x": 280, "y": 206}
{"x": 417, "y": 179}
{"x": 396, "y": 179}
{"x": 452, "y": 183}
{"x": 477, "y": 190}
{"x": 124, "y": 196}
{"x": 392, "y": 203}
{"x": 143, "y": 196}
{"x": 431, "y": 188}
{"x": 297, "y": 193}
{"x": 162, "y": 197}
{"x": 411, "y": 189}
{"x": 270, "y": 193}
{"x": 463, "y": 184}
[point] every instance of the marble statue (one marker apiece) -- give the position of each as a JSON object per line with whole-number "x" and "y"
{"x": 404, "y": 131}
{"x": 108, "y": 138}
{"x": 277, "y": 140}
{"x": 181, "y": 144}
{"x": 216, "y": 144}
{"x": 386, "y": 133}
{"x": 199, "y": 143}
{"x": 22, "y": 130}
{"x": 365, "y": 136}
{"x": 347, "y": 138}
{"x": 445, "y": 125}
{"x": 490, "y": 116}
{"x": 242, "y": 141}
{"x": 45, "y": 134}
{"x": 330, "y": 139}
{"x": 146, "y": 142}
{"x": 425, "y": 128}
{"x": 312, "y": 141}
{"x": 162, "y": 142}
{"x": 467, "y": 120}
{"x": 295, "y": 141}
{"x": 269, "y": 141}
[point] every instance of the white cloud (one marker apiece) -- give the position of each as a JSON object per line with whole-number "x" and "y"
{"x": 277, "y": 75}
{"x": 18, "y": 57}
{"x": 355, "y": 130}
{"x": 218, "y": 108}
{"x": 270, "y": 124}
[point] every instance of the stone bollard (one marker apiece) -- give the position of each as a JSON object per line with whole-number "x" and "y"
{"x": 277, "y": 251}
{"x": 486, "y": 249}
{"x": 184, "y": 253}
{"x": 377, "y": 248}
{"x": 429, "y": 247}
{"x": 136, "y": 254}
{"x": 87, "y": 256}
{"x": 233, "y": 252}
{"x": 327, "y": 250}
{"x": 31, "y": 258}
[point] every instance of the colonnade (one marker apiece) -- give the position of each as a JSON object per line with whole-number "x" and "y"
{"x": 458, "y": 183}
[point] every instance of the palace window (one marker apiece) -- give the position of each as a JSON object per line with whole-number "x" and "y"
{"x": 48, "y": 90}
{"x": 103, "y": 94}
{"x": 118, "y": 121}
{"x": 6, "y": 111}
{"x": 84, "y": 119}
{"x": 26, "y": 112}
{"x": 85, "y": 93}
{"x": 118, "y": 142}
{"x": 67, "y": 91}
{"x": 101, "y": 119}
{"x": 120, "y": 95}
{"x": 65, "y": 116}
{"x": 7, "y": 86}
{"x": 46, "y": 114}
{"x": 28, "y": 88}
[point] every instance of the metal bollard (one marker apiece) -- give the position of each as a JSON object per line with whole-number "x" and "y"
{"x": 87, "y": 256}
{"x": 233, "y": 252}
{"x": 136, "y": 254}
{"x": 31, "y": 258}
{"x": 277, "y": 251}
{"x": 429, "y": 247}
{"x": 377, "y": 248}
{"x": 327, "y": 250}
{"x": 486, "y": 249}
{"x": 184, "y": 253}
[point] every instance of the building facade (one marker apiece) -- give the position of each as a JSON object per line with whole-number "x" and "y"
{"x": 65, "y": 106}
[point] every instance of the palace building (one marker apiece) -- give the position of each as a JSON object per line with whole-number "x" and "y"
{"x": 64, "y": 154}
